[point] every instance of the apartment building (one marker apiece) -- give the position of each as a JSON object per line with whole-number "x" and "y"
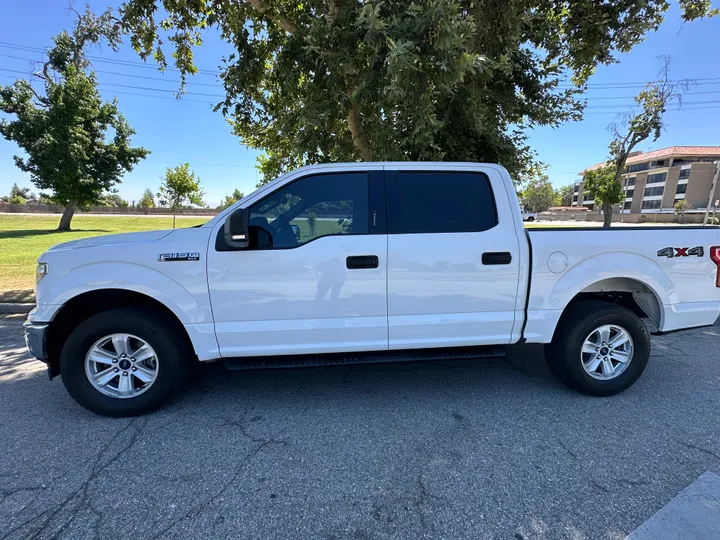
{"x": 654, "y": 181}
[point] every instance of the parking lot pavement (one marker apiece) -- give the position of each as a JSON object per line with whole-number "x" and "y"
{"x": 472, "y": 449}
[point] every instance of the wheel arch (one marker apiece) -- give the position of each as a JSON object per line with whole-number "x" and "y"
{"x": 83, "y": 306}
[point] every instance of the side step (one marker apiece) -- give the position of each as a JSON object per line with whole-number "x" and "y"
{"x": 377, "y": 357}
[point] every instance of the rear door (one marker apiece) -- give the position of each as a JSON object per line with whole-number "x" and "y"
{"x": 453, "y": 261}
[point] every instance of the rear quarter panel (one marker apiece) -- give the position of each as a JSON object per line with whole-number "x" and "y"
{"x": 567, "y": 261}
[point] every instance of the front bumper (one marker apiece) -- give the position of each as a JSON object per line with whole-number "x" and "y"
{"x": 35, "y": 334}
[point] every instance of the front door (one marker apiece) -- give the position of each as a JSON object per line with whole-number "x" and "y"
{"x": 314, "y": 277}
{"x": 453, "y": 265}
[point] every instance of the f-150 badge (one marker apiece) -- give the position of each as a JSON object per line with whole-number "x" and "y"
{"x": 177, "y": 257}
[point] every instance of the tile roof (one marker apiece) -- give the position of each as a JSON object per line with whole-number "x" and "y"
{"x": 666, "y": 152}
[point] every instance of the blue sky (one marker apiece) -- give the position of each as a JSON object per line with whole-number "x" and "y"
{"x": 188, "y": 130}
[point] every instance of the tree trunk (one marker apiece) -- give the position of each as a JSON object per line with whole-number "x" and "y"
{"x": 173, "y": 219}
{"x": 67, "y": 216}
{"x": 358, "y": 138}
{"x": 607, "y": 214}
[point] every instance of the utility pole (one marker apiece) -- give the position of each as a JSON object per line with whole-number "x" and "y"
{"x": 712, "y": 192}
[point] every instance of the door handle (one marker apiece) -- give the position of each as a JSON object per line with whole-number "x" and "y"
{"x": 496, "y": 257}
{"x": 362, "y": 261}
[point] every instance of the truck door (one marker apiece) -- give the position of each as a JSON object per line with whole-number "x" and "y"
{"x": 453, "y": 261}
{"x": 314, "y": 277}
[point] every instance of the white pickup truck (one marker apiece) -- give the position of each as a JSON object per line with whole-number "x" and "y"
{"x": 364, "y": 262}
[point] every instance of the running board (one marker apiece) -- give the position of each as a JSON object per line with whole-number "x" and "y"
{"x": 376, "y": 357}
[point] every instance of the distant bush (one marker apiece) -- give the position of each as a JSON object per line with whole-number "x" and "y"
{"x": 713, "y": 220}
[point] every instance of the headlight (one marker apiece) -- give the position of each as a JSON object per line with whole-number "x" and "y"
{"x": 41, "y": 271}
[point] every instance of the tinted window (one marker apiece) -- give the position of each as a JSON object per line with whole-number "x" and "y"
{"x": 651, "y": 205}
{"x": 312, "y": 207}
{"x": 629, "y": 193}
{"x": 684, "y": 173}
{"x": 655, "y": 178}
{"x": 631, "y": 181}
{"x": 439, "y": 202}
{"x": 654, "y": 191}
{"x": 638, "y": 167}
{"x": 681, "y": 188}
{"x": 627, "y": 205}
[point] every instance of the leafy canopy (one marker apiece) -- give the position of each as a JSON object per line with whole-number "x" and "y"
{"x": 564, "y": 194}
{"x": 333, "y": 80}
{"x": 229, "y": 200}
{"x": 147, "y": 200}
{"x": 538, "y": 194}
{"x": 180, "y": 187}
{"x": 602, "y": 185}
{"x": 78, "y": 146}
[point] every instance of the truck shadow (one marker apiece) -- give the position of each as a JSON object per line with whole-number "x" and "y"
{"x": 24, "y": 233}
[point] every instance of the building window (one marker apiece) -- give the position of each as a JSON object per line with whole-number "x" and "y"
{"x": 627, "y": 205}
{"x": 655, "y": 178}
{"x": 577, "y": 188}
{"x": 630, "y": 181}
{"x": 638, "y": 167}
{"x": 657, "y": 164}
{"x": 588, "y": 197}
{"x": 654, "y": 191}
{"x": 629, "y": 193}
{"x": 651, "y": 205}
{"x": 684, "y": 173}
{"x": 575, "y": 198}
{"x": 589, "y": 206}
{"x": 682, "y": 188}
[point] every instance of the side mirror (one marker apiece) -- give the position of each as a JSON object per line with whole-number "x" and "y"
{"x": 296, "y": 231}
{"x": 236, "y": 232}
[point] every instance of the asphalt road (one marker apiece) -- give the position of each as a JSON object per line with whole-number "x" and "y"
{"x": 484, "y": 449}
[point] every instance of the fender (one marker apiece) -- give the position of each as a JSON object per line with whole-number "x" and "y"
{"x": 547, "y": 304}
{"x": 188, "y": 308}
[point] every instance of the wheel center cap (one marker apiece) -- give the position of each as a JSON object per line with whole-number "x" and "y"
{"x": 604, "y": 351}
{"x": 125, "y": 363}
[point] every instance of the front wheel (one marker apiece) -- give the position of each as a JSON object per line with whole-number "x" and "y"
{"x": 599, "y": 348}
{"x": 124, "y": 362}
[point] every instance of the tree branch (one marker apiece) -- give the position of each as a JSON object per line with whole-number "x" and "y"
{"x": 276, "y": 18}
{"x": 359, "y": 140}
{"x": 41, "y": 99}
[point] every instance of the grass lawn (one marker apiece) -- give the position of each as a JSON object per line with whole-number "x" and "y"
{"x": 24, "y": 237}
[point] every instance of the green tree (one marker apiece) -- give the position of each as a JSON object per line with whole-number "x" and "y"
{"x": 78, "y": 146}
{"x": 18, "y": 195}
{"x": 179, "y": 188}
{"x": 564, "y": 195}
{"x": 312, "y": 221}
{"x": 604, "y": 187}
{"x": 229, "y": 200}
{"x": 681, "y": 207}
{"x": 147, "y": 200}
{"x": 635, "y": 127}
{"x": 113, "y": 199}
{"x": 332, "y": 80}
{"x": 538, "y": 194}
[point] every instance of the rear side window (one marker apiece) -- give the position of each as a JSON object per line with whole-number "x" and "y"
{"x": 439, "y": 202}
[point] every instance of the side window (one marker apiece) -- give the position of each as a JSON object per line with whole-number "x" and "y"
{"x": 312, "y": 207}
{"x": 439, "y": 202}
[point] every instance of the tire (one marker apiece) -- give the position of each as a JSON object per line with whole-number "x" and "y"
{"x": 531, "y": 219}
{"x": 171, "y": 361}
{"x": 582, "y": 322}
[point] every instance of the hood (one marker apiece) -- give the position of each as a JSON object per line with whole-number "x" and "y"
{"x": 112, "y": 240}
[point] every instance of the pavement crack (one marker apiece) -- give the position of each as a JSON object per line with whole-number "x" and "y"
{"x": 564, "y": 447}
{"x": 198, "y": 509}
{"x": 699, "y": 448}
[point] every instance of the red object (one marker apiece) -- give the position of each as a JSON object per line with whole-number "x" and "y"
{"x": 715, "y": 257}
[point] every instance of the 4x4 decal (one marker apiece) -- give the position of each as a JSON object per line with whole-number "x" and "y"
{"x": 681, "y": 252}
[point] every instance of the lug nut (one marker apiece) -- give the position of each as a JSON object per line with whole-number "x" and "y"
{"x": 134, "y": 368}
{"x": 125, "y": 373}
{"x": 116, "y": 370}
{"x": 114, "y": 360}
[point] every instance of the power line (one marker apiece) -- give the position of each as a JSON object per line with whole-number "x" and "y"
{"x": 130, "y": 63}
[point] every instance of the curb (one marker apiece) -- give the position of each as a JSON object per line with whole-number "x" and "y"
{"x": 6, "y": 308}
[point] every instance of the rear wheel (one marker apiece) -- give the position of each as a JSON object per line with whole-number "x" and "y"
{"x": 599, "y": 348}
{"x": 124, "y": 362}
